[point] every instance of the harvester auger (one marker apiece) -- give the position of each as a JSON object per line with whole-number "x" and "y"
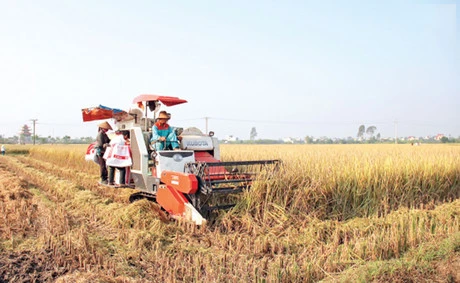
{"x": 188, "y": 183}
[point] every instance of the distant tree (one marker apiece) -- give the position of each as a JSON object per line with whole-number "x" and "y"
{"x": 253, "y": 134}
{"x": 66, "y": 139}
{"x": 361, "y": 131}
{"x": 87, "y": 139}
{"x": 378, "y": 136}
{"x": 308, "y": 139}
{"x": 51, "y": 139}
{"x": 444, "y": 139}
{"x": 371, "y": 130}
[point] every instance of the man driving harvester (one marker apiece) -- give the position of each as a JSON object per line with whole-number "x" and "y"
{"x": 163, "y": 136}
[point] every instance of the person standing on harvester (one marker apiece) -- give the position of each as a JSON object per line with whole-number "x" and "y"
{"x": 119, "y": 157}
{"x": 102, "y": 142}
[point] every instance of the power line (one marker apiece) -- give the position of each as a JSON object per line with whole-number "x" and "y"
{"x": 284, "y": 121}
{"x": 405, "y": 122}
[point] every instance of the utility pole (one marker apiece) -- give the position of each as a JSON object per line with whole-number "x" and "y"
{"x": 396, "y": 132}
{"x": 33, "y": 129}
{"x": 206, "y": 119}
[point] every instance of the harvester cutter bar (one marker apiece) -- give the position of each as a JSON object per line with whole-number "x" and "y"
{"x": 229, "y": 190}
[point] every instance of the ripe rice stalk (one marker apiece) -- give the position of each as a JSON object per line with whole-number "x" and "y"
{"x": 327, "y": 209}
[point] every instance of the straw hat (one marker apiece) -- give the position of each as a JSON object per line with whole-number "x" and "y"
{"x": 105, "y": 125}
{"x": 164, "y": 115}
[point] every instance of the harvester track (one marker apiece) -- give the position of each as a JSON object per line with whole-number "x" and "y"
{"x": 142, "y": 195}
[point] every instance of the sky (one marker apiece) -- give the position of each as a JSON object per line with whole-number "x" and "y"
{"x": 287, "y": 68}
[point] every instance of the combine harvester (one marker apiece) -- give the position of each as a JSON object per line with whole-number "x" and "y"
{"x": 188, "y": 183}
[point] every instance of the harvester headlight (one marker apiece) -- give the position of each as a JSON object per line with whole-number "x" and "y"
{"x": 177, "y": 157}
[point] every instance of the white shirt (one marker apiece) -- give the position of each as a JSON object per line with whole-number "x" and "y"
{"x": 118, "y": 139}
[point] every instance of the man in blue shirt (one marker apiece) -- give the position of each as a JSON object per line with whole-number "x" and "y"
{"x": 163, "y": 136}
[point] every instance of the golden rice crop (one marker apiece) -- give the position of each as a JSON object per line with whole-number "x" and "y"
{"x": 329, "y": 212}
{"x": 345, "y": 181}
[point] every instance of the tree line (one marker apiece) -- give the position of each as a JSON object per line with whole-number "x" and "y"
{"x": 364, "y": 135}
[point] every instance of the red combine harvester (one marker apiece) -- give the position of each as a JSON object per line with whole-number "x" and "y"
{"x": 188, "y": 183}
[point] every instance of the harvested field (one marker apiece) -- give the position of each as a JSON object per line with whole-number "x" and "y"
{"x": 378, "y": 213}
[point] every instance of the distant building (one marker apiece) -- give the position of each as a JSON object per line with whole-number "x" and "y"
{"x": 230, "y": 138}
{"x": 292, "y": 140}
{"x": 439, "y": 137}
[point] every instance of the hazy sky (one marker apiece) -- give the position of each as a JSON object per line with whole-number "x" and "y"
{"x": 288, "y": 68}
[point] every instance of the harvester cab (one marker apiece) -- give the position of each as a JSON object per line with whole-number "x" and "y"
{"x": 188, "y": 183}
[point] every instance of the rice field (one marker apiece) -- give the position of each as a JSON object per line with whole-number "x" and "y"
{"x": 331, "y": 213}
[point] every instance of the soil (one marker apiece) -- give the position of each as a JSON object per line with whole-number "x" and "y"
{"x": 27, "y": 266}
